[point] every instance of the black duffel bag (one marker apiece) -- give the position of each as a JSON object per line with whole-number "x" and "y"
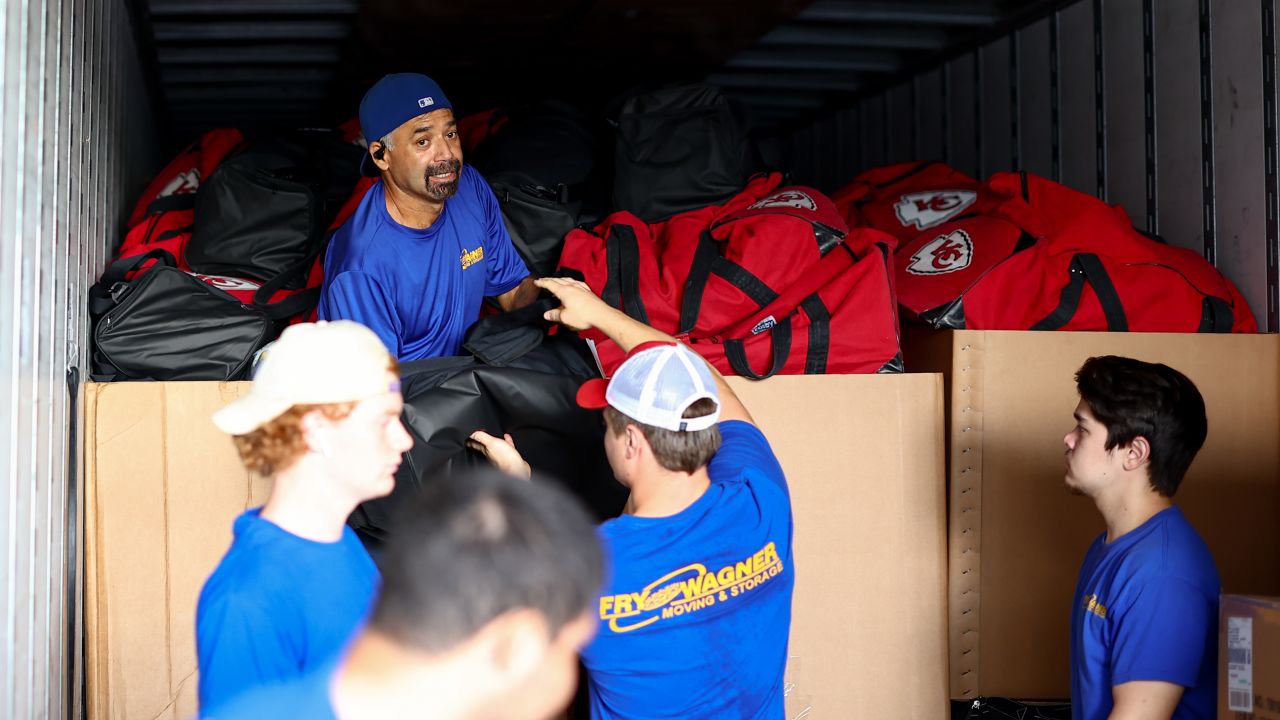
{"x": 518, "y": 380}
{"x": 168, "y": 324}
{"x": 539, "y": 162}
{"x": 677, "y": 149}
{"x": 269, "y": 205}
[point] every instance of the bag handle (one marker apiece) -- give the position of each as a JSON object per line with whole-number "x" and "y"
{"x": 707, "y": 261}
{"x": 100, "y": 299}
{"x": 622, "y": 259}
{"x": 1086, "y": 267}
{"x": 779, "y": 338}
{"x": 1215, "y": 316}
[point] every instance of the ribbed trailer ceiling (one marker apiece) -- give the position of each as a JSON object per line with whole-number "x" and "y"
{"x": 221, "y": 62}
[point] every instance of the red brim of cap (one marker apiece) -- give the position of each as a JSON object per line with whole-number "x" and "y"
{"x": 591, "y": 394}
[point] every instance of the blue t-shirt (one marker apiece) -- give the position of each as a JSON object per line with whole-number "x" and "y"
{"x": 305, "y": 698}
{"x": 1146, "y": 608}
{"x": 420, "y": 290}
{"x": 694, "y": 621}
{"x": 278, "y": 605}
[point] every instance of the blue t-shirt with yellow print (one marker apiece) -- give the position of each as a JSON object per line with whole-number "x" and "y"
{"x": 1146, "y": 608}
{"x": 420, "y": 290}
{"x": 695, "y": 618}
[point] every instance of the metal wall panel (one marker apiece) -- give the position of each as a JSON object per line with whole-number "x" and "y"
{"x": 1035, "y": 129}
{"x": 962, "y": 114}
{"x": 1076, "y": 88}
{"x": 848, "y": 147}
{"x": 1238, "y": 150}
{"x": 900, "y": 123}
{"x": 996, "y": 96}
{"x": 931, "y": 116}
{"x": 1126, "y": 155}
{"x": 874, "y": 141}
{"x": 72, "y": 87}
{"x": 1177, "y": 78}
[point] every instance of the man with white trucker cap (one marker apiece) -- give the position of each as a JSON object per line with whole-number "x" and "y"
{"x": 695, "y": 618}
{"x": 322, "y": 419}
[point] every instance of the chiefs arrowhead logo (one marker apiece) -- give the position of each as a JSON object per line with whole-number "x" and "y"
{"x": 223, "y": 282}
{"x": 934, "y": 207}
{"x": 787, "y": 198}
{"x": 187, "y": 182}
{"x": 944, "y": 254}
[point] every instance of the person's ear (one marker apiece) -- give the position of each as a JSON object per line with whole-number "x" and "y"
{"x": 634, "y": 440}
{"x": 315, "y": 430}
{"x": 378, "y": 152}
{"x": 1137, "y": 453}
{"x": 518, "y": 642}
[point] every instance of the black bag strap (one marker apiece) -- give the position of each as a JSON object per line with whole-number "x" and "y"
{"x": 295, "y": 304}
{"x": 1216, "y": 316}
{"x": 707, "y": 261}
{"x": 735, "y": 351}
{"x": 100, "y": 298}
{"x": 819, "y": 335}
{"x": 1086, "y": 267}
{"x": 622, "y": 257}
{"x": 168, "y": 203}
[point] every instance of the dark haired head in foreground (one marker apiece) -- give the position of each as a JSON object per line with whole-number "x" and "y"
{"x": 487, "y": 586}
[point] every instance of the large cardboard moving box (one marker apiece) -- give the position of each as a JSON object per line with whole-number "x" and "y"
{"x": 863, "y": 455}
{"x": 1017, "y": 537}
{"x": 1249, "y": 658}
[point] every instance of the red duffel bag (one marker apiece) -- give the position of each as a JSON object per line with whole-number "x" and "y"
{"x": 763, "y": 284}
{"x": 174, "y": 187}
{"x": 906, "y": 198}
{"x": 1051, "y": 258}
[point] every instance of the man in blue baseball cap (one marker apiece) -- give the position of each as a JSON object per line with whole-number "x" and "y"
{"x": 427, "y": 243}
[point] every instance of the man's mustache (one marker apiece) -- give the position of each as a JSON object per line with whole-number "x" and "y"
{"x": 451, "y": 166}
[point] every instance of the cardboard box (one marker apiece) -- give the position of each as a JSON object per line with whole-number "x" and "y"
{"x": 162, "y": 488}
{"x": 1249, "y": 658}
{"x": 1017, "y": 538}
{"x": 863, "y": 454}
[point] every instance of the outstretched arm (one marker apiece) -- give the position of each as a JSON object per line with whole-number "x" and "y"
{"x": 581, "y": 309}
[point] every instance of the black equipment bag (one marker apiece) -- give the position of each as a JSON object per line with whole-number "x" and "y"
{"x": 538, "y": 163}
{"x": 531, "y": 395}
{"x": 268, "y": 206}
{"x": 679, "y": 148}
{"x": 168, "y": 324}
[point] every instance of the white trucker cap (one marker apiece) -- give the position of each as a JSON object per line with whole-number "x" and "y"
{"x": 655, "y": 385}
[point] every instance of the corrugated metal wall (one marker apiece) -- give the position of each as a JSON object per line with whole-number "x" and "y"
{"x": 1166, "y": 107}
{"x": 74, "y": 123}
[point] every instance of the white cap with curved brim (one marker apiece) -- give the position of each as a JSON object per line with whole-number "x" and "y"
{"x": 655, "y": 385}
{"x": 317, "y": 363}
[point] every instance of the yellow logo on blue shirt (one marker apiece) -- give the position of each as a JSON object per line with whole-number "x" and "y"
{"x": 472, "y": 257}
{"x": 1091, "y": 604}
{"x": 688, "y": 590}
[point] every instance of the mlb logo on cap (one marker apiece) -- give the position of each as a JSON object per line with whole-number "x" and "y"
{"x": 426, "y": 102}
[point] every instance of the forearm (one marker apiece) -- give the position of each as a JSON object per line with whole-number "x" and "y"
{"x": 519, "y": 296}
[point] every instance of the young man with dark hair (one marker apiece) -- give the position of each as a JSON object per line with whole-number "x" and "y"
{"x": 1144, "y": 620}
{"x": 695, "y": 619}
{"x": 487, "y": 590}
{"x": 322, "y": 420}
{"x": 427, "y": 243}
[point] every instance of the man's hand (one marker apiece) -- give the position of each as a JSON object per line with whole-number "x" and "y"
{"x": 579, "y": 309}
{"x": 501, "y": 452}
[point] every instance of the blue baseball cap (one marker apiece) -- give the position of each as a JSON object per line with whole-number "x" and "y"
{"x": 393, "y": 101}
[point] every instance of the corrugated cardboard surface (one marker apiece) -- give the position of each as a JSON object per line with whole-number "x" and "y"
{"x": 1264, "y": 660}
{"x": 1017, "y": 537}
{"x": 863, "y": 455}
{"x": 864, "y": 461}
{"x": 163, "y": 485}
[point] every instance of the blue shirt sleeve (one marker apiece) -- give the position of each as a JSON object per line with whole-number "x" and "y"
{"x": 744, "y": 447}
{"x": 357, "y": 296}
{"x": 504, "y": 268}
{"x": 238, "y": 649}
{"x": 1159, "y": 637}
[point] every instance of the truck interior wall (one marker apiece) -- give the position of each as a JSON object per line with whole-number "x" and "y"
{"x": 1160, "y": 107}
{"x": 74, "y": 116}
